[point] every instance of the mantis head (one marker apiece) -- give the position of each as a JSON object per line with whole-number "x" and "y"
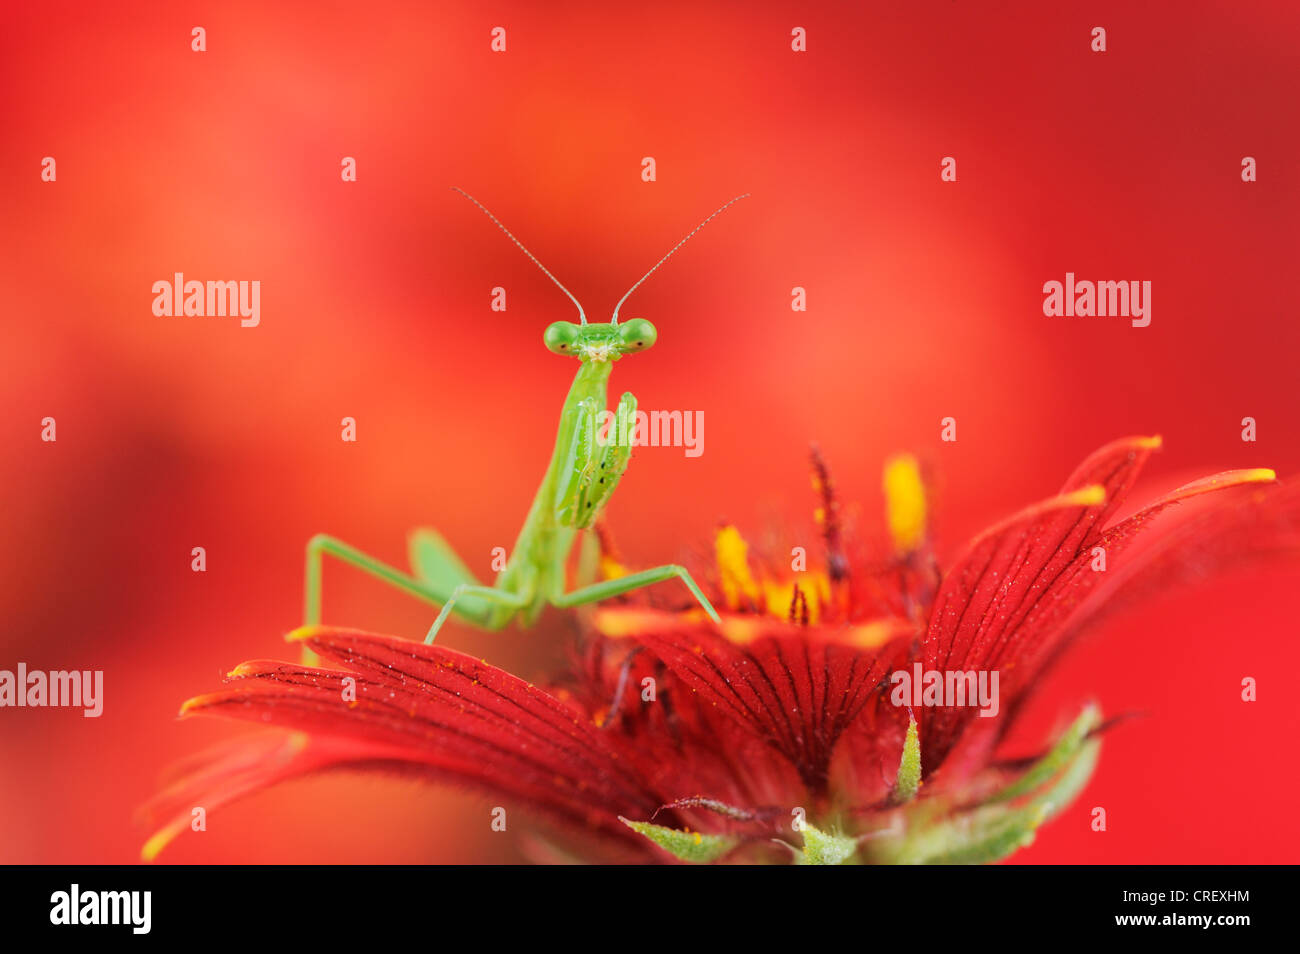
{"x": 599, "y": 341}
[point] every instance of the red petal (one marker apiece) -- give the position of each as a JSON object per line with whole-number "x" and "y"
{"x": 436, "y": 710}
{"x": 796, "y": 693}
{"x": 1144, "y": 553}
{"x": 230, "y": 771}
{"x": 1008, "y": 569}
{"x": 1020, "y": 638}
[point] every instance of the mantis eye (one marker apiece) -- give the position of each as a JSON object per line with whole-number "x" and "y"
{"x": 560, "y": 336}
{"x": 637, "y": 334}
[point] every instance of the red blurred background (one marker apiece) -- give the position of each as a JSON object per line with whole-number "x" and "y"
{"x": 924, "y": 301}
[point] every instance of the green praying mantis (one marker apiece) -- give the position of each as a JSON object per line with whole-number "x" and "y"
{"x": 581, "y": 477}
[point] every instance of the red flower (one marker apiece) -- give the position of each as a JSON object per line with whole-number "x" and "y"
{"x": 675, "y": 737}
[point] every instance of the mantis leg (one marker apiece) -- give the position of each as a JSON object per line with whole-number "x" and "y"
{"x": 594, "y": 464}
{"x": 599, "y": 484}
{"x": 580, "y": 457}
{"x": 634, "y": 581}
{"x": 491, "y": 594}
{"x": 431, "y": 591}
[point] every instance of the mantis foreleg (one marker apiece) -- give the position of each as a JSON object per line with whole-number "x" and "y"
{"x": 594, "y": 464}
{"x": 580, "y": 458}
{"x": 610, "y": 465}
{"x": 593, "y": 473}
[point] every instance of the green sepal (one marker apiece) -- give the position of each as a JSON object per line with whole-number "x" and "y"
{"x": 1071, "y": 781}
{"x": 1060, "y": 754}
{"x": 908, "y": 781}
{"x": 692, "y": 846}
{"x": 981, "y": 837}
{"x": 996, "y": 829}
{"x": 822, "y": 848}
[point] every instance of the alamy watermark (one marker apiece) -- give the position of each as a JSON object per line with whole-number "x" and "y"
{"x": 74, "y": 906}
{"x": 1086, "y": 299}
{"x": 954, "y": 687}
{"x": 58, "y": 688}
{"x": 683, "y": 429}
{"x": 195, "y": 299}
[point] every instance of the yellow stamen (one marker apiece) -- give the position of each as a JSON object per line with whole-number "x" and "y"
{"x": 904, "y": 502}
{"x": 742, "y": 630}
{"x": 778, "y": 595}
{"x": 874, "y": 633}
{"x": 620, "y": 623}
{"x": 733, "y": 565}
{"x": 611, "y": 569}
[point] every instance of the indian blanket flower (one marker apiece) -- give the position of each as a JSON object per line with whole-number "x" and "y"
{"x": 782, "y": 734}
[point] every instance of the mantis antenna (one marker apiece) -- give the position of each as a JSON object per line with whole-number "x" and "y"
{"x": 582, "y": 315}
{"x": 670, "y": 252}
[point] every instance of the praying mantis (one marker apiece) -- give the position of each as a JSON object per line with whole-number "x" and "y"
{"x": 578, "y": 483}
